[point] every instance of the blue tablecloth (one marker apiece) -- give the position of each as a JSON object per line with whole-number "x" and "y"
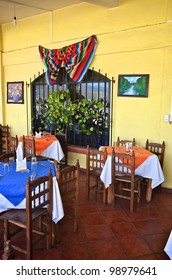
{"x": 13, "y": 184}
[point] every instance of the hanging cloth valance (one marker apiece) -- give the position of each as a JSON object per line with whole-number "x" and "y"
{"x": 76, "y": 59}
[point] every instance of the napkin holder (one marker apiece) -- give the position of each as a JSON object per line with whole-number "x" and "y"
{"x": 128, "y": 147}
{"x": 38, "y": 134}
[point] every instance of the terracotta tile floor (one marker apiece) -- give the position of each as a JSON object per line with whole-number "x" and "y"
{"x": 112, "y": 233}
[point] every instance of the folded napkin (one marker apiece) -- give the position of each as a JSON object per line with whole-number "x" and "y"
{"x": 38, "y": 135}
{"x": 168, "y": 246}
{"x": 21, "y": 164}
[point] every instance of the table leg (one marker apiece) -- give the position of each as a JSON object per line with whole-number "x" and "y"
{"x": 104, "y": 195}
{"x": 149, "y": 190}
{"x": 55, "y": 234}
{"x": 109, "y": 194}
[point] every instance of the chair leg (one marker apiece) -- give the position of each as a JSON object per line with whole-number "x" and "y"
{"x": 53, "y": 234}
{"x": 113, "y": 194}
{"x": 96, "y": 187}
{"x": 88, "y": 185}
{"x": 49, "y": 236}
{"x": 29, "y": 253}
{"x": 8, "y": 252}
{"x": 138, "y": 194}
{"x": 6, "y": 229}
{"x": 76, "y": 215}
{"x": 131, "y": 198}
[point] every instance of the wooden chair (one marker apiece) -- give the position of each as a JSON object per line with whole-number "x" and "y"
{"x": 45, "y": 133}
{"x": 157, "y": 149}
{"x": 125, "y": 184}
{"x": 4, "y": 134}
{"x": 12, "y": 143}
{"x": 35, "y": 220}
{"x": 62, "y": 137}
{"x": 29, "y": 149}
{"x": 123, "y": 142}
{"x": 68, "y": 179}
{"x": 6, "y": 157}
{"x": 95, "y": 160}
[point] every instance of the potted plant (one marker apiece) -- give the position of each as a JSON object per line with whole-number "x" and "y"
{"x": 59, "y": 111}
{"x": 56, "y": 111}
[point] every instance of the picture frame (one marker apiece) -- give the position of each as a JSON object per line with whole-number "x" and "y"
{"x": 133, "y": 85}
{"x": 15, "y": 92}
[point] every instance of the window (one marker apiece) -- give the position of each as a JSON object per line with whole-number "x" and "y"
{"x": 94, "y": 86}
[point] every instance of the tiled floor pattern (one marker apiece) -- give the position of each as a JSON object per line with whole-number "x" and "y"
{"x": 107, "y": 233}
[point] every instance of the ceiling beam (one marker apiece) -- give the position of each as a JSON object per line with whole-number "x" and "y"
{"x": 105, "y": 3}
{"x": 12, "y": 3}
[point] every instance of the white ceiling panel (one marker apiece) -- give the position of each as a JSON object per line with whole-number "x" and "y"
{"x": 27, "y": 8}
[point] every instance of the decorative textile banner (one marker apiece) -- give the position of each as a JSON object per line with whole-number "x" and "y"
{"x": 76, "y": 59}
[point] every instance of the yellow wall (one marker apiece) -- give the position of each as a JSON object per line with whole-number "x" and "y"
{"x": 1, "y": 101}
{"x": 134, "y": 38}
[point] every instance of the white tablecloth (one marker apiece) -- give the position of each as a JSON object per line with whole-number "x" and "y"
{"x": 58, "y": 212}
{"x": 150, "y": 168}
{"x": 53, "y": 151}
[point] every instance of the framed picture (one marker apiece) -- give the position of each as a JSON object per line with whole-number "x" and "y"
{"x": 15, "y": 92}
{"x": 133, "y": 85}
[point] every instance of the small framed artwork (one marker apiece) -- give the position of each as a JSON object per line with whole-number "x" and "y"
{"x": 15, "y": 92}
{"x": 133, "y": 85}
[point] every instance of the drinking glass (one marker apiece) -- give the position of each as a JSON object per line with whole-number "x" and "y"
{"x": 6, "y": 168}
{"x": 34, "y": 159}
{"x": 127, "y": 147}
{"x": 11, "y": 160}
{"x": 33, "y": 167}
{"x": 130, "y": 146}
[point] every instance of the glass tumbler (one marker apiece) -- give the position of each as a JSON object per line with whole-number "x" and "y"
{"x": 11, "y": 160}
{"x": 33, "y": 167}
{"x": 6, "y": 168}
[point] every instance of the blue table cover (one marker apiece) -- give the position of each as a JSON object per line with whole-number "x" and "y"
{"x": 13, "y": 184}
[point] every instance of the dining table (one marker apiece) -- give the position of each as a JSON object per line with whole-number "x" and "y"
{"x": 147, "y": 165}
{"x": 46, "y": 145}
{"x": 13, "y": 187}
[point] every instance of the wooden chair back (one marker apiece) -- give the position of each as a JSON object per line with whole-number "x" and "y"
{"x": 68, "y": 179}
{"x": 125, "y": 184}
{"x": 95, "y": 160}
{"x": 38, "y": 207}
{"x": 62, "y": 137}
{"x": 12, "y": 143}
{"x": 157, "y": 149}
{"x": 29, "y": 149}
{"x": 122, "y": 142}
{"x": 45, "y": 133}
{"x": 6, "y": 157}
{"x": 4, "y": 134}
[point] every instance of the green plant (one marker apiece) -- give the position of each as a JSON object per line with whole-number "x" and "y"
{"x": 59, "y": 111}
{"x": 90, "y": 116}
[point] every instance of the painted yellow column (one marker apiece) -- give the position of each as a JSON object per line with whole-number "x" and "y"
{"x": 1, "y": 110}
